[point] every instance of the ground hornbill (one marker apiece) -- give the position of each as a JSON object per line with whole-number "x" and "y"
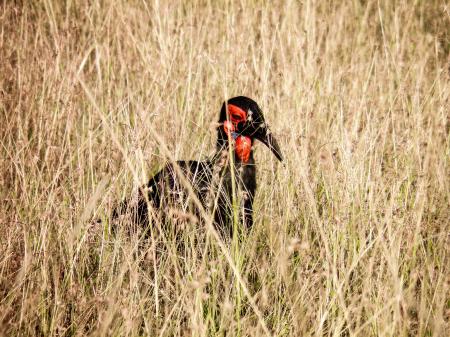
{"x": 213, "y": 181}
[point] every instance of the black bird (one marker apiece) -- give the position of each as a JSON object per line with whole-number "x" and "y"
{"x": 241, "y": 122}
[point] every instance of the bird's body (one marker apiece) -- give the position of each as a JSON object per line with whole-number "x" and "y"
{"x": 221, "y": 183}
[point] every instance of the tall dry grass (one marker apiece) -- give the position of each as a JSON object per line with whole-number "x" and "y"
{"x": 351, "y": 236}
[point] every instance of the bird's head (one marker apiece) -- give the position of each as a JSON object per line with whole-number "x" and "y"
{"x": 241, "y": 119}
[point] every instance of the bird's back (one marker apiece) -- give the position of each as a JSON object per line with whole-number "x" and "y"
{"x": 166, "y": 191}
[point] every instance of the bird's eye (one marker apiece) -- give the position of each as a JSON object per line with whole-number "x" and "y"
{"x": 237, "y": 118}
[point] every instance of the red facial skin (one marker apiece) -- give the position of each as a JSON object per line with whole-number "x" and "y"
{"x": 228, "y": 127}
{"x": 237, "y": 115}
{"x": 243, "y": 145}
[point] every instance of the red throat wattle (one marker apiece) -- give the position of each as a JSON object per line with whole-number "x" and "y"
{"x": 243, "y": 148}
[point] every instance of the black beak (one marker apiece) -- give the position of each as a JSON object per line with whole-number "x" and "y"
{"x": 265, "y": 136}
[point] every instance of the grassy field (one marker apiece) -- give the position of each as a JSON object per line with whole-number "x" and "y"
{"x": 351, "y": 235}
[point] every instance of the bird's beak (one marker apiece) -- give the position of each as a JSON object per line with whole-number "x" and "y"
{"x": 266, "y": 137}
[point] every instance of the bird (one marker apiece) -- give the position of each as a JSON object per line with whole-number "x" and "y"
{"x": 228, "y": 175}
